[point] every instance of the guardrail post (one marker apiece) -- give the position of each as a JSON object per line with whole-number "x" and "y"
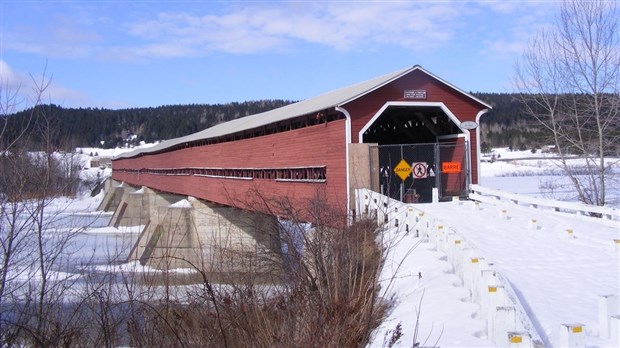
{"x": 572, "y": 335}
{"x": 608, "y": 306}
{"x": 455, "y": 247}
{"x": 477, "y": 279}
{"x": 461, "y": 262}
{"x": 519, "y": 339}
{"x": 434, "y": 233}
{"x": 471, "y": 273}
{"x": 567, "y": 233}
{"x": 616, "y": 244}
{"x": 445, "y": 241}
{"x": 503, "y": 214}
{"x": 494, "y": 297}
{"x": 411, "y": 220}
{"x": 614, "y": 329}
{"x": 487, "y": 279}
{"x": 504, "y": 321}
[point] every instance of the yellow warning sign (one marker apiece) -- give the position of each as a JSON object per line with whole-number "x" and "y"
{"x": 403, "y": 169}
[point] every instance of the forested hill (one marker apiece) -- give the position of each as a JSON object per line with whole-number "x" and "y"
{"x": 82, "y": 127}
{"x": 506, "y": 125}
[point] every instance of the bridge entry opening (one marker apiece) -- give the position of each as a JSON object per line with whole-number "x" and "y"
{"x": 410, "y": 125}
{"x": 419, "y": 148}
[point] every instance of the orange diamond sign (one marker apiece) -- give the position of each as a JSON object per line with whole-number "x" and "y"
{"x": 403, "y": 169}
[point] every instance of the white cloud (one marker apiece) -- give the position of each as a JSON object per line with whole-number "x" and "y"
{"x": 63, "y": 36}
{"x": 256, "y": 27}
{"x": 503, "y": 6}
{"x": 20, "y": 90}
{"x": 8, "y": 77}
{"x": 504, "y": 49}
{"x": 15, "y": 88}
{"x": 261, "y": 28}
{"x": 522, "y": 20}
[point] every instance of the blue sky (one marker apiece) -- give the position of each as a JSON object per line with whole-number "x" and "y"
{"x": 118, "y": 54}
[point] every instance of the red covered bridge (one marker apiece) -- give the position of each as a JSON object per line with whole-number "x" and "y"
{"x": 327, "y": 146}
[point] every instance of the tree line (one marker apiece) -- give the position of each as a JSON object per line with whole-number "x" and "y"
{"x": 504, "y": 125}
{"x": 98, "y": 127}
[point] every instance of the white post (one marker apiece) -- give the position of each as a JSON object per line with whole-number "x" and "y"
{"x": 572, "y": 335}
{"x": 411, "y": 220}
{"x": 455, "y": 245}
{"x": 567, "y": 233}
{"x": 519, "y": 339}
{"x": 471, "y": 273}
{"x": 503, "y": 214}
{"x": 614, "y": 330}
{"x": 608, "y": 306}
{"x": 494, "y": 299}
{"x": 486, "y": 290}
{"x": 505, "y": 321}
{"x": 477, "y": 278}
{"x": 476, "y": 206}
{"x": 462, "y": 262}
{"x": 435, "y": 195}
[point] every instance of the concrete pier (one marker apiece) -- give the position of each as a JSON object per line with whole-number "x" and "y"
{"x": 185, "y": 232}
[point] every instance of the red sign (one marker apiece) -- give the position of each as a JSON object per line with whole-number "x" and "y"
{"x": 451, "y": 167}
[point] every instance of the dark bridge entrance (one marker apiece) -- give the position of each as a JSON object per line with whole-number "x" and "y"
{"x": 433, "y": 147}
{"x": 428, "y": 166}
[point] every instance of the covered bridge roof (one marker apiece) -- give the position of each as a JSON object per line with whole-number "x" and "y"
{"x": 328, "y": 100}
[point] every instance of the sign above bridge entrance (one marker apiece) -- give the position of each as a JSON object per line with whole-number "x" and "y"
{"x": 402, "y": 169}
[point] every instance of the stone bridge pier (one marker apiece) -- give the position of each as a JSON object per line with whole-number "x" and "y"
{"x": 186, "y": 232}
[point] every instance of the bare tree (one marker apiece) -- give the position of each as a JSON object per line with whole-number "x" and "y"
{"x": 34, "y": 242}
{"x": 568, "y": 81}
{"x": 15, "y": 224}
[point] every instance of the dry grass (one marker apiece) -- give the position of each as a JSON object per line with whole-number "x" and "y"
{"x": 329, "y": 299}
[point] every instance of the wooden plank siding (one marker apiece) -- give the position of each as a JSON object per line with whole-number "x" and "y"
{"x": 452, "y": 183}
{"x": 319, "y": 145}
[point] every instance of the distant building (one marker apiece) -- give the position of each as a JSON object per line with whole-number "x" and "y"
{"x": 97, "y": 161}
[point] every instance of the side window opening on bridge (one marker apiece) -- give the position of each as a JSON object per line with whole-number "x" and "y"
{"x": 296, "y": 174}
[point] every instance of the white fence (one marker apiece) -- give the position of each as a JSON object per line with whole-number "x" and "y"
{"x": 507, "y": 321}
{"x": 484, "y": 194}
{"x": 508, "y": 324}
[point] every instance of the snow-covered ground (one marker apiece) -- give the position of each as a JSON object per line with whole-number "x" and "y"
{"x": 557, "y": 279}
{"x": 112, "y": 152}
{"x": 539, "y": 174}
